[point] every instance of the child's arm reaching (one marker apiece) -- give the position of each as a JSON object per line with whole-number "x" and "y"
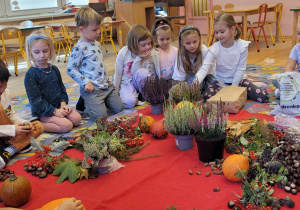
{"x": 207, "y": 64}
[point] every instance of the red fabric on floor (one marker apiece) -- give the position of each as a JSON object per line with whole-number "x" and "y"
{"x": 153, "y": 183}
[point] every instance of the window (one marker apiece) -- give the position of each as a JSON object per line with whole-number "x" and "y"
{"x": 77, "y": 2}
{"x": 32, "y": 4}
{"x": 31, "y": 7}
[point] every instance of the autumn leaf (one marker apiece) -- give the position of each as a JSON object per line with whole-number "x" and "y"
{"x": 83, "y": 173}
{"x": 68, "y": 169}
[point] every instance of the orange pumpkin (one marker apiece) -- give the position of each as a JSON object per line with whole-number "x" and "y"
{"x": 15, "y": 191}
{"x": 232, "y": 164}
{"x": 158, "y": 130}
{"x": 145, "y": 123}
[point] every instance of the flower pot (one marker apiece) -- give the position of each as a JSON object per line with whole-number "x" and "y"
{"x": 210, "y": 149}
{"x": 184, "y": 142}
{"x": 157, "y": 108}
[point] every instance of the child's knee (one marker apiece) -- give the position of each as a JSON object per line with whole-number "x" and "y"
{"x": 65, "y": 127}
{"x": 129, "y": 102}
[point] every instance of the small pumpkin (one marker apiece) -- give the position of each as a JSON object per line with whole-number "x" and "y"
{"x": 232, "y": 164}
{"x": 185, "y": 103}
{"x": 158, "y": 130}
{"x": 145, "y": 123}
{"x": 15, "y": 191}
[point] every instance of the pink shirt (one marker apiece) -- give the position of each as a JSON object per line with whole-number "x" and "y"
{"x": 167, "y": 62}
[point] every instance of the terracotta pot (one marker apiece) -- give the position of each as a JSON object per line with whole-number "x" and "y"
{"x": 184, "y": 142}
{"x": 210, "y": 149}
{"x": 157, "y": 108}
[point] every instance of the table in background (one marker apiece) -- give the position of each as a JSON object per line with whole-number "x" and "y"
{"x": 243, "y": 11}
{"x": 26, "y": 31}
{"x": 295, "y": 22}
{"x": 72, "y": 28}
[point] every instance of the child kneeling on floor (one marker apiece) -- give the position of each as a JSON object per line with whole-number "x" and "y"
{"x": 15, "y": 132}
{"x": 86, "y": 66}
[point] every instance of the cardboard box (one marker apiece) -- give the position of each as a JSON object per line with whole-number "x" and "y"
{"x": 233, "y": 96}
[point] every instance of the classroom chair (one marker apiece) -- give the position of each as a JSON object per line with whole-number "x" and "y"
{"x": 277, "y": 18}
{"x": 106, "y": 35}
{"x": 262, "y": 14}
{"x": 8, "y": 35}
{"x": 215, "y": 11}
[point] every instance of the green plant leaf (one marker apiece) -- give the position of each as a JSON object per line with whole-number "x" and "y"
{"x": 270, "y": 192}
{"x": 244, "y": 141}
{"x": 67, "y": 169}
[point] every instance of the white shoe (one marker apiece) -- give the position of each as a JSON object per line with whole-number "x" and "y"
{"x": 139, "y": 103}
{"x": 277, "y": 93}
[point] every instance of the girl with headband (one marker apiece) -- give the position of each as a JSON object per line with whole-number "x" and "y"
{"x": 46, "y": 92}
{"x": 191, "y": 54}
{"x": 164, "y": 54}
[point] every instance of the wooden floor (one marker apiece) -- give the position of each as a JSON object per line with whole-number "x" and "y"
{"x": 274, "y": 55}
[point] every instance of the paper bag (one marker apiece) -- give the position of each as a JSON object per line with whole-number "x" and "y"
{"x": 233, "y": 96}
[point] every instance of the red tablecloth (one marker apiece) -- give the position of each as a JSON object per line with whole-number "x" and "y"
{"x": 148, "y": 184}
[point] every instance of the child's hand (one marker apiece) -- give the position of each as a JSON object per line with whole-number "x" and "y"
{"x": 71, "y": 204}
{"x": 66, "y": 108}
{"x": 22, "y": 129}
{"x": 61, "y": 113}
{"x": 89, "y": 87}
{"x": 29, "y": 124}
{"x": 146, "y": 54}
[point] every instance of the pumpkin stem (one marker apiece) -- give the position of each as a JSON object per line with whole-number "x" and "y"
{"x": 12, "y": 177}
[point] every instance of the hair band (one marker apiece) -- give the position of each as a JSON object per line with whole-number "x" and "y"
{"x": 187, "y": 28}
{"x": 162, "y": 26}
{"x": 34, "y": 37}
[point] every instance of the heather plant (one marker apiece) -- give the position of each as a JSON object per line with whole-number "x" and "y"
{"x": 209, "y": 120}
{"x": 176, "y": 118}
{"x": 183, "y": 91}
{"x": 156, "y": 90}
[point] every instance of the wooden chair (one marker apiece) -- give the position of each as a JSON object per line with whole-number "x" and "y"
{"x": 277, "y": 18}
{"x": 177, "y": 20}
{"x": 71, "y": 41}
{"x": 262, "y": 14}
{"x": 106, "y": 35}
{"x": 12, "y": 34}
{"x": 59, "y": 42}
{"x": 215, "y": 11}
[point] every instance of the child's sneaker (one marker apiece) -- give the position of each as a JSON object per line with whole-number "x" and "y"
{"x": 141, "y": 100}
{"x": 277, "y": 93}
{"x": 4, "y": 158}
{"x": 26, "y": 149}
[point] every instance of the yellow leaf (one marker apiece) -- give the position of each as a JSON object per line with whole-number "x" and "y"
{"x": 84, "y": 173}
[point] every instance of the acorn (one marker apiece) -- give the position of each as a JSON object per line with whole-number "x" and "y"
{"x": 287, "y": 189}
{"x": 294, "y": 191}
{"x": 43, "y": 174}
{"x": 198, "y": 172}
{"x": 207, "y": 174}
{"x": 191, "y": 172}
{"x": 230, "y": 204}
{"x": 217, "y": 189}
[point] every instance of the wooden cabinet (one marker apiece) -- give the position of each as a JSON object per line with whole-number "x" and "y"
{"x": 134, "y": 12}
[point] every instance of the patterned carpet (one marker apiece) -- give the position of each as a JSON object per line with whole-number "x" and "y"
{"x": 254, "y": 72}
